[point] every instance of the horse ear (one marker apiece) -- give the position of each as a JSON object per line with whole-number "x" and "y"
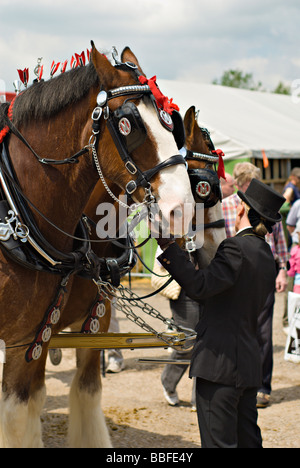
{"x": 128, "y": 56}
{"x": 189, "y": 121}
{"x": 102, "y": 65}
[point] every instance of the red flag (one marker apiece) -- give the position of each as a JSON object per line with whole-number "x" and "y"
{"x": 265, "y": 159}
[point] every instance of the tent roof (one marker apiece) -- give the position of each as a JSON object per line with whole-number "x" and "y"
{"x": 242, "y": 123}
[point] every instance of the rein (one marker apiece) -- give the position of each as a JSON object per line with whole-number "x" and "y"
{"x": 10, "y": 126}
{"x": 71, "y": 160}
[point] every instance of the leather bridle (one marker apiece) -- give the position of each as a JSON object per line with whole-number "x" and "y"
{"x": 125, "y": 121}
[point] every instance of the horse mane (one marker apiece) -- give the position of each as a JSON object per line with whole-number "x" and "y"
{"x": 3, "y": 112}
{"x": 46, "y": 98}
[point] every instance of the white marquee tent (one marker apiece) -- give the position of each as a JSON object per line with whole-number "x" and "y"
{"x": 242, "y": 123}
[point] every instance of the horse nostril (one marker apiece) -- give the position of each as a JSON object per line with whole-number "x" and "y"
{"x": 177, "y": 213}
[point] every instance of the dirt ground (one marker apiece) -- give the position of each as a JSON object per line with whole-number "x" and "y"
{"x": 133, "y": 403}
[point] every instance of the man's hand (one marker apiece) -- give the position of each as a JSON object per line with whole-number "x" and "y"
{"x": 281, "y": 281}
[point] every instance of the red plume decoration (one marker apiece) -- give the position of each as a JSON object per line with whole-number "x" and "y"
{"x": 80, "y": 59}
{"x": 64, "y": 66}
{"x": 163, "y": 102}
{"x": 40, "y": 73}
{"x": 24, "y": 76}
{"x": 73, "y": 62}
{"x": 54, "y": 68}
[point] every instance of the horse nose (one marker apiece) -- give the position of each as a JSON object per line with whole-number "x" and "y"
{"x": 176, "y": 218}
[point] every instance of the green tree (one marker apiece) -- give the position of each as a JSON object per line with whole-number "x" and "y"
{"x": 282, "y": 88}
{"x": 238, "y": 79}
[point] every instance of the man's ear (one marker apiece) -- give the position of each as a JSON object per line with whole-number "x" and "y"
{"x": 241, "y": 210}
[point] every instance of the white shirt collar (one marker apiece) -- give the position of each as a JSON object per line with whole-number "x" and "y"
{"x": 243, "y": 229}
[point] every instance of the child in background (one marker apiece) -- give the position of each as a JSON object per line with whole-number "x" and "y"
{"x": 295, "y": 261}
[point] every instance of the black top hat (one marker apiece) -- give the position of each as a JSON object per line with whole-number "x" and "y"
{"x": 263, "y": 199}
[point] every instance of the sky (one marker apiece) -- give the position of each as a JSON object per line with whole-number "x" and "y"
{"x": 187, "y": 40}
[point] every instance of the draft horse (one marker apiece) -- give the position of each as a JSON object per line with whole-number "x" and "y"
{"x": 47, "y": 174}
{"x": 202, "y": 159}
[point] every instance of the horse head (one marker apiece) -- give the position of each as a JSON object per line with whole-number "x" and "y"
{"x": 205, "y": 183}
{"x": 137, "y": 149}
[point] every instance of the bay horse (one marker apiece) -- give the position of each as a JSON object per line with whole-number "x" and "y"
{"x": 87, "y": 426}
{"x": 202, "y": 159}
{"x": 51, "y": 129}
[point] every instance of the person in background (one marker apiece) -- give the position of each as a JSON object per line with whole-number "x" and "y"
{"x": 227, "y": 185}
{"x": 291, "y": 191}
{"x": 292, "y": 220}
{"x": 294, "y": 270}
{"x": 243, "y": 173}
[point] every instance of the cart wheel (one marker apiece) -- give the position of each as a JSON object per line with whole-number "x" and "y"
{"x": 55, "y": 356}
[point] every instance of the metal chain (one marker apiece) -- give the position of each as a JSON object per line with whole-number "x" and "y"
{"x": 122, "y": 303}
{"x": 148, "y": 199}
{"x": 99, "y": 170}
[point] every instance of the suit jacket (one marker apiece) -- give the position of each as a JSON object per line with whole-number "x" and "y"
{"x": 233, "y": 289}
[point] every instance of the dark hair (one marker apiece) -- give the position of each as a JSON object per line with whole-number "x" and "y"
{"x": 44, "y": 99}
{"x": 260, "y": 225}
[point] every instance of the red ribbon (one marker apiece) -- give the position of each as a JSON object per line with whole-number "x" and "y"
{"x": 163, "y": 102}
{"x": 221, "y": 168}
{"x": 5, "y": 130}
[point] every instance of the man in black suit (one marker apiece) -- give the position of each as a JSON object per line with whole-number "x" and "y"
{"x": 233, "y": 289}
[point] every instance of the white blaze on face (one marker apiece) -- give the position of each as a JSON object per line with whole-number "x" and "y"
{"x": 174, "y": 193}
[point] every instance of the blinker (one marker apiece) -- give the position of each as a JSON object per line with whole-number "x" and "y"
{"x": 130, "y": 126}
{"x": 205, "y": 186}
